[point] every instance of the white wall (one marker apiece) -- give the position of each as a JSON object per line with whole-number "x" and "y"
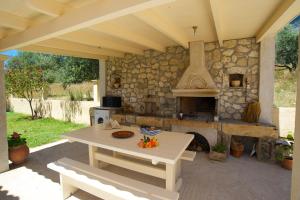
{"x": 284, "y": 119}
{"x": 75, "y": 111}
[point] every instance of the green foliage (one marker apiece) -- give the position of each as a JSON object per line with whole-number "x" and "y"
{"x": 282, "y": 152}
{"x": 287, "y": 47}
{"x": 285, "y": 88}
{"x": 59, "y": 69}
{"x": 40, "y": 131}
{"x": 220, "y": 148}
{"x": 26, "y": 82}
{"x": 290, "y": 136}
{"x": 76, "y": 96}
{"x": 89, "y": 96}
{"x": 15, "y": 140}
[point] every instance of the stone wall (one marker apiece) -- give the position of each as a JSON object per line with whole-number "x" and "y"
{"x": 150, "y": 78}
{"x": 235, "y": 57}
{"x": 147, "y": 79}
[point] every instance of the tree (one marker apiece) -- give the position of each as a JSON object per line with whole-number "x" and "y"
{"x": 26, "y": 82}
{"x": 60, "y": 69}
{"x": 287, "y": 47}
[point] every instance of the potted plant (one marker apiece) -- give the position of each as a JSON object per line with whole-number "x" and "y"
{"x": 18, "y": 150}
{"x": 284, "y": 154}
{"x": 236, "y": 149}
{"x": 218, "y": 152}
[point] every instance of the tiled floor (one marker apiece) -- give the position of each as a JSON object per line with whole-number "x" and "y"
{"x": 236, "y": 179}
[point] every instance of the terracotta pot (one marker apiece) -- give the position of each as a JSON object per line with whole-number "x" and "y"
{"x": 236, "y": 83}
{"x": 236, "y": 153}
{"x": 287, "y": 163}
{"x": 18, "y": 154}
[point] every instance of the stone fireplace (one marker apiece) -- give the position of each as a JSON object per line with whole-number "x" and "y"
{"x": 204, "y": 108}
{"x": 147, "y": 82}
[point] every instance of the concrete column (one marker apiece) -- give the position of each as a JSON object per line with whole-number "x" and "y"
{"x": 96, "y": 91}
{"x": 296, "y": 162}
{"x": 102, "y": 80}
{"x": 3, "y": 140}
{"x": 266, "y": 79}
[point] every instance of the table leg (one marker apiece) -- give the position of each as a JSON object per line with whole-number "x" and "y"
{"x": 93, "y": 161}
{"x": 171, "y": 177}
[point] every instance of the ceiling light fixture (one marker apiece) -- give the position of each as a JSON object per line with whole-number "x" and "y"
{"x": 195, "y": 29}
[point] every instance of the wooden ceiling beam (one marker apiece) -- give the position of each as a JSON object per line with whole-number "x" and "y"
{"x": 216, "y": 20}
{"x": 62, "y": 52}
{"x": 77, "y": 19}
{"x": 71, "y": 46}
{"x": 164, "y": 26}
{"x": 13, "y": 21}
{"x": 92, "y": 38}
{"x": 284, "y": 13}
{"x": 51, "y": 8}
{"x": 128, "y": 35}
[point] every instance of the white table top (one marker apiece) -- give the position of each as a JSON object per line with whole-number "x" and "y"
{"x": 171, "y": 144}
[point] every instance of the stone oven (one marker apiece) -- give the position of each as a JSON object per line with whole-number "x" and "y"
{"x": 203, "y": 108}
{"x": 196, "y": 91}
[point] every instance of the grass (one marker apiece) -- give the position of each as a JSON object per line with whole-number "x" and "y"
{"x": 285, "y": 88}
{"x": 40, "y": 131}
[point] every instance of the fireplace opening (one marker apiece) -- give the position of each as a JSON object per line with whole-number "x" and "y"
{"x": 199, "y": 143}
{"x": 198, "y": 107}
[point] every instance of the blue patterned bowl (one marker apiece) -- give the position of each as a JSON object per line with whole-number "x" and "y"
{"x": 149, "y": 132}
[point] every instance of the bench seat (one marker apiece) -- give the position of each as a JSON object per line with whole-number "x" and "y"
{"x": 188, "y": 155}
{"x": 104, "y": 184}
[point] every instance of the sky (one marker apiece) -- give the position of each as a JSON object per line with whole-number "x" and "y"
{"x": 295, "y": 22}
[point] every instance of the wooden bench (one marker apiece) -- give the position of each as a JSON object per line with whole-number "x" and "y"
{"x": 188, "y": 155}
{"x": 104, "y": 184}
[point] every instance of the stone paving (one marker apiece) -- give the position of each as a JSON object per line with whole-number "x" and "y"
{"x": 235, "y": 179}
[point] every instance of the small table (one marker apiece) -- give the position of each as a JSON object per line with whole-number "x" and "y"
{"x": 162, "y": 161}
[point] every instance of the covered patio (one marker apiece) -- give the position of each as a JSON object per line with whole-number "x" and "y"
{"x": 203, "y": 179}
{"x": 162, "y": 52}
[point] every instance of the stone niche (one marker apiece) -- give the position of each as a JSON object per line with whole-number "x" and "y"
{"x": 152, "y": 76}
{"x": 235, "y": 57}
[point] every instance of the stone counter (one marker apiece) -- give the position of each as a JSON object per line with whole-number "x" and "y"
{"x": 229, "y": 127}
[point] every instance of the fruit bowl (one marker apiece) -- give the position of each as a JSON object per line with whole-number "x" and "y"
{"x": 148, "y": 142}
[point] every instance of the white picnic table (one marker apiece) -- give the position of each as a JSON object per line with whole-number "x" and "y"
{"x": 162, "y": 161}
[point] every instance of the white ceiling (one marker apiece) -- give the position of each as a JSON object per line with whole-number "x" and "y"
{"x": 157, "y": 27}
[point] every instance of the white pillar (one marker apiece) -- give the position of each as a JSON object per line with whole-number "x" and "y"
{"x": 102, "y": 80}
{"x": 266, "y": 79}
{"x": 3, "y": 140}
{"x": 96, "y": 91}
{"x": 296, "y": 162}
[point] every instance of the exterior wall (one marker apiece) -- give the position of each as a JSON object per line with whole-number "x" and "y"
{"x": 284, "y": 120}
{"x": 236, "y": 56}
{"x": 153, "y": 76}
{"x": 74, "y": 111}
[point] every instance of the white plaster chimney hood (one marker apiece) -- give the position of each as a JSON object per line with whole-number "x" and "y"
{"x": 196, "y": 80}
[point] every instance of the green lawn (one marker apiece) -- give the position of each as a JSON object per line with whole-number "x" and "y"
{"x": 40, "y": 131}
{"x": 285, "y": 88}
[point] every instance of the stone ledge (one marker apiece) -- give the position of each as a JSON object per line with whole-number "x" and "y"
{"x": 229, "y": 128}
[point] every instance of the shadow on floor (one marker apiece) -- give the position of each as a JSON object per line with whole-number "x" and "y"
{"x": 4, "y": 195}
{"x": 38, "y": 160}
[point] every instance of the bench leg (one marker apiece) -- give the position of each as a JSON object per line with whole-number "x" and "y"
{"x": 67, "y": 189}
